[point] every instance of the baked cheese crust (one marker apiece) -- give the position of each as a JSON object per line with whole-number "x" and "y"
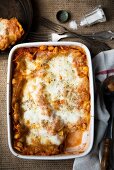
{"x": 50, "y": 99}
{"x": 10, "y": 32}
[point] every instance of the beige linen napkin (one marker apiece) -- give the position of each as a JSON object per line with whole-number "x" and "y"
{"x": 103, "y": 66}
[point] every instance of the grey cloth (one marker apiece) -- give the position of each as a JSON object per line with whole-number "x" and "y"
{"x": 103, "y": 66}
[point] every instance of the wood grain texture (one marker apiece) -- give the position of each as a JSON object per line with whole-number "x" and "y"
{"x": 106, "y": 154}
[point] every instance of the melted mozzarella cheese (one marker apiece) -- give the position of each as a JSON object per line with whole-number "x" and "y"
{"x": 32, "y": 89}
{"x": 35, "y": 116}
{"x": 62, "y": 66}
{"x": 3, "y": 28}
{"x": 69, "y": 116}
{"x": 30, "y": 66}
{"x": 60, "y": 76}
{"x": 54, "y": 89}
{"x": 44, "y": 137}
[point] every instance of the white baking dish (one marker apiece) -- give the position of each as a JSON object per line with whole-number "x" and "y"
{"x": 9, "y": 78}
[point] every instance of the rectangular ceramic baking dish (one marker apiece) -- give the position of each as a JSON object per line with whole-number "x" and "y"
{"x": 9, "y": 125}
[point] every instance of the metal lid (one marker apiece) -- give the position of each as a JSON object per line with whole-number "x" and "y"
{"x": 62, "y": 16}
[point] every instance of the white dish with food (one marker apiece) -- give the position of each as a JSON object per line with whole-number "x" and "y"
{"x": 50, "y": 100}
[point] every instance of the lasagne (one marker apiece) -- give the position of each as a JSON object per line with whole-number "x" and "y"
{"x": 50, "y": 100}
{"x": 10, "y": 32}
